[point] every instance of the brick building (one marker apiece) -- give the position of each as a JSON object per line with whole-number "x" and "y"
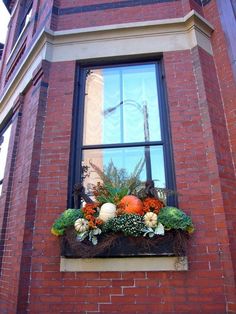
{"x": 60, "y": 57}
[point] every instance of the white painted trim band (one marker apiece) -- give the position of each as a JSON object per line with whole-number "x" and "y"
{"x": 127, "y": 39}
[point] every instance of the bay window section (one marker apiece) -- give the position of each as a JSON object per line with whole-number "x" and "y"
{"x": 121, "y": 118}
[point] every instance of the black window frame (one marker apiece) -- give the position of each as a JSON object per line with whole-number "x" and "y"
{"x": 78, "y": 120}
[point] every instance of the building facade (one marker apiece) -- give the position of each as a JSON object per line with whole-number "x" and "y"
{"x": 69, "y": 71}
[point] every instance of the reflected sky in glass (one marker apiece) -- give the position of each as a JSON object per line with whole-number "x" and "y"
{"x": 126, "y": 158}
{"x": 122, "y": 107}
{"x": 124, "y": 103}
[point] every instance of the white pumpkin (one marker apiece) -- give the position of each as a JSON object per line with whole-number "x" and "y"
{"x": 150, "y": 219}
{"x": 81, "y": 225}
{"x": 107, "y": 211}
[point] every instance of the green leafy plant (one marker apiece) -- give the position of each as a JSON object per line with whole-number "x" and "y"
{"x": 66, "y": 220}
{"x": 174, "y": 218}
{"x": 140, "y": 214}
{"x": 118, "y": 181}
{"x": 152, "y": 231}
{"x": 108, "y": 194}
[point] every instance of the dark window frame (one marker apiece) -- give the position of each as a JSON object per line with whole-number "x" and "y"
{"x": 78, "y": 119}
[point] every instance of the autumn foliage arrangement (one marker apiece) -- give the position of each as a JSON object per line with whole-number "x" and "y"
{"x": 122, "y": 205}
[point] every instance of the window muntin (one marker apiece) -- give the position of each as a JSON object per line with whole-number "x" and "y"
{"x": 121, "y": 116}
{"x": 4, "y": 144}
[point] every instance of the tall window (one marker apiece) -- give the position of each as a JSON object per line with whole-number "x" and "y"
{"x": 24, "y": 16}
{"x": 4, "y": 143}
{"x": 121, "y": 118}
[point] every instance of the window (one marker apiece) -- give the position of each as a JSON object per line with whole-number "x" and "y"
{"x": 4, "y": 143}
{"x": 120, "y": 116}
{"x": 24, "y": 16}
{"x": 233, "y": 3}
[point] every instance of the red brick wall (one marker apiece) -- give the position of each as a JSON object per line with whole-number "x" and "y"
{"x": 203, "y": 288}
{"x": 197, "y": 176}
{"x": 47, "y": 287}
{"x": 227, "y": 86}
{"x": 118, "y": 15}
{"x": 19, "y": 226}
{"x": 197, "y": 180}
{"x": 200, "y": 99}
{"x": 189, "y": 5}
{"x": 5, "y": 199}
{"x": 10, "y": 209}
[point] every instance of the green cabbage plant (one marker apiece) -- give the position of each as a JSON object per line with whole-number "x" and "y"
{"x": 175, "y": 218}
{"x": 66, "y": 220}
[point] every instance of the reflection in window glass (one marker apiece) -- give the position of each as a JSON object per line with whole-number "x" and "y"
{"x": 24, "y": 16}
{"x": 124, "y": 122}
{"x": 124, "y": 106}
{"x": 4, "y": 143}
{"x": 126, "y": 158}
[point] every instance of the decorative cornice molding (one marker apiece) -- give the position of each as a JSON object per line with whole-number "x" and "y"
{"x": 149, "y": 37}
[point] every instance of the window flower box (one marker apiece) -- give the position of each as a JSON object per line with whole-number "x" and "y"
{"x": 173, "y": 243}
{"x": 123, "y": 220}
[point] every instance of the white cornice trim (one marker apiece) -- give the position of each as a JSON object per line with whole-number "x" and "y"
{"x": 127, "y": 39}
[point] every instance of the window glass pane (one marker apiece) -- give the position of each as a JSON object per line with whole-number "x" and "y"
{"x": 4, "y": 143}
{"x": 121, "y": 105}
{"x": 25, "y": 15}
{"x": 158, "y": 167}
{"x": 126, "y": 158}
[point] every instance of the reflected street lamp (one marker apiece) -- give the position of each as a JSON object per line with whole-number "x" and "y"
{"x": 144, "y": 110}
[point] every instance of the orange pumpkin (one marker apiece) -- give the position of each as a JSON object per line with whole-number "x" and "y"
{"x": 130, "y": 204}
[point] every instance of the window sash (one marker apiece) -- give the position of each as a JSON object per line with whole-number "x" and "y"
{"x": 116, "y": 97}
{"x": 77, "y": 140}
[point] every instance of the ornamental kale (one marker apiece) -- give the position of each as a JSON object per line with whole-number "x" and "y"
{"x": 66, "y": 220}
{"x": 174, "y": 218}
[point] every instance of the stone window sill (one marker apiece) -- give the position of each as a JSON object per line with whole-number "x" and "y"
{"x": 168, "y": 263}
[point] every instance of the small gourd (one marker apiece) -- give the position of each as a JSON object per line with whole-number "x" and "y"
{"x": 150, "y": 219}
{"x": 107, "y": 211}
{"x": 81, "y": 225}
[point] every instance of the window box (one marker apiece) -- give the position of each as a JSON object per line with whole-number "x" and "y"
{"x": 156, "y": 230}
{"x": 173, "y": 243}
